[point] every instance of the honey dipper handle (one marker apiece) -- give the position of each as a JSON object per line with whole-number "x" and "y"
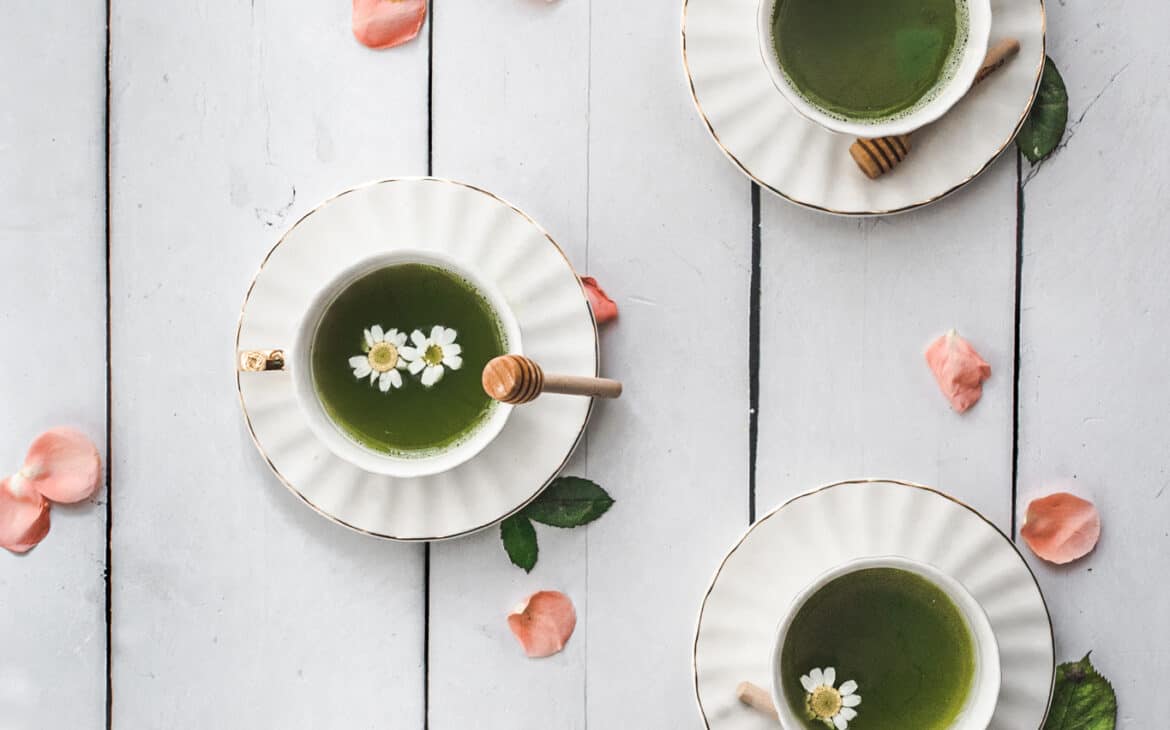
{"x": 998, "y": 55}
{"x": 578, "y": 385}
{"x": 757, "y": 698}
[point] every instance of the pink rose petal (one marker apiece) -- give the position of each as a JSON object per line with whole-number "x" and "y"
{"x": 24, "y": 517}
{"x": 604, "y": 308}
{"x": 387, "y": 23}
{"x": 63, "y": 465}
{"x": 1061, "y": 527}
{"x": 543, "y": 623}
{"x": 959, "y": 370}
{"x": 36, "y": 533}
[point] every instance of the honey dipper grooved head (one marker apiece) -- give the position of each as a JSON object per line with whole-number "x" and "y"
{"x": 878, "y": 156}
{"x": 513, "y": 379}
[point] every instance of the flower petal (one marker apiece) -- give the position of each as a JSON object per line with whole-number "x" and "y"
{"x": 437, "y": 334}
{"x": 959, "y": 370}
{"x": 24, "y": 517}
{"x": 395, "y": 378}
{"x": 452, "y": 349}
{"x": 604, "y": 308}
{"x": 543, "y": 623}
{"x": 38, "y": 532}
{"x": 369, "y": 338}
{"x": 379, "y": 24}
{"x": 851, "y": 700}
{"x": 63, "y": 465}
{"x": 408, "y": 353}
{"x": 384, "y": 380}
{"x": 817, "y": 677}
{"x": 432, "y": 375}
{"x": 830, "y": 676}
{"x": 398, "y": 338}
{"x": 1061, "y": 527}
{"x": 447, "y": 337}
{"x": 361, "y": 366}
{"x": 453, "y": 361}
{"x": 848, "y": 713}
{"x": 377, "y": 334}
{"x": 807, "y": 683}
{"x": 840, "y": 722}
{"x": 848, "y": 687}
{"x": 419, "y": 339}
{"x": 416, "y": 366}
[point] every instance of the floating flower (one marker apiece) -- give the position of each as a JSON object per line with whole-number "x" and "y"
{"x": 387, "y": 23}
{"x": 383, "y": 359}
{"x": 604, "y": 308}
{"x": 1061, "y": 527}
{"x": 430, "y": 355}
{"x": 543, "y": 623}
{"x": 959, "y": 370}
{"x": 834, "y": 707}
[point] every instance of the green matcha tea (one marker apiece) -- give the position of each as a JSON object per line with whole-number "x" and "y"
{"x": 894, "y": 634}
{"x": 868, "y": 59}
{"x": 398, "y": 355}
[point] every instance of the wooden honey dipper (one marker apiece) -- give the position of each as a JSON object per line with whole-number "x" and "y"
{"x": 757, "y": 698}
{"x": 878, "y": 156}
{"x": 516, "y": 379}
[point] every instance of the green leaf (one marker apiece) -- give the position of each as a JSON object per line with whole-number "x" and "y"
{"x": 569, "y": 502}
{"x": 1045, "y": 124}
{"x": 1082, "y": 700}
{"x": 519, "y": 537}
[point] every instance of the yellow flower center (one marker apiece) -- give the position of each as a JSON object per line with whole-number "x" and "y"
{"x": 382, "y": 357}
{"x": 433, "y": 355}
{"x": 824, "y": 702}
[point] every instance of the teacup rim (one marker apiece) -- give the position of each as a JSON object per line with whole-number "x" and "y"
{"x": 978, "y": 40}
{"x": 330, "y": 433}
{"x": 979, "y": 706}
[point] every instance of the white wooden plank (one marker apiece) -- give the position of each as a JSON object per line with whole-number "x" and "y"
{"x": 1094, "y": 396}
{"x": 52, "y": 315}
{"x": 847, "y": 309}
{"x": 670, "y": 237}
{"x": 510, "y": 113}
{"x": 234, "y": 604}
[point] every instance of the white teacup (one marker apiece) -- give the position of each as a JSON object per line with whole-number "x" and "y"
{"x": 949, "y": 89}
{"x": 296, "y": 360}
{"x": 983, "y": 696}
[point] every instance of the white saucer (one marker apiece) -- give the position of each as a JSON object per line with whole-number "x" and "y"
{"x": 798, "y": 160}
{"x": 792, "y": 545}
{"x": 489, "y": 236}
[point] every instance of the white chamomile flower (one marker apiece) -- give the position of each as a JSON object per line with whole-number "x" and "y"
{"x": 383, "y": 358}
{"x": 834, "y": 707}
{"x": 430, "y": 355}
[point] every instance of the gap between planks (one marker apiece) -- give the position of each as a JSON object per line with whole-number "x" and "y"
{"x": 754, "y": 353}
{"x": 109, "y": 397}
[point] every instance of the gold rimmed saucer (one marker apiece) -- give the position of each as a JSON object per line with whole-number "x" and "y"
{"x": 504, "y": 246}
{"x": 798, "y": 541}
{"x": 806, "y": 164}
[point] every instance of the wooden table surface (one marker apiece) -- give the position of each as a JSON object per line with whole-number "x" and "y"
{"x": 765, "y": 350}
